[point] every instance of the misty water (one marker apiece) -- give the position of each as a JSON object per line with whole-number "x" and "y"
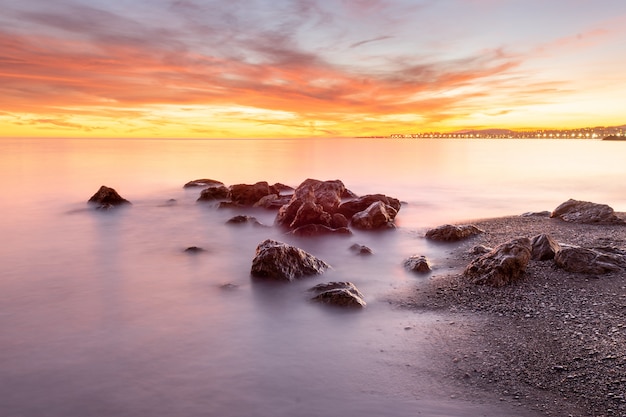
{"x": 104, "y": 314}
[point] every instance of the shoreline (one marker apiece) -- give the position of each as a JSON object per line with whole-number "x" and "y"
{"x": 554, "y": 341}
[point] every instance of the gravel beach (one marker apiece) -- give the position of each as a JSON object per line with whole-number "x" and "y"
{"x": 554, "y": 341}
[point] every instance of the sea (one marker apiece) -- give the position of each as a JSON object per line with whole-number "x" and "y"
{"x": 103, "y": 313}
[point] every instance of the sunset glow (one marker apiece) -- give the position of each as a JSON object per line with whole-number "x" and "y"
{"x": 192, "y": 68}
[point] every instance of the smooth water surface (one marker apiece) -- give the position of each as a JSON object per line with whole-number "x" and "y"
{"x": 103, "y": 314}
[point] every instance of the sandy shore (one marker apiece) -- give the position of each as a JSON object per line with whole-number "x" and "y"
{"x": 553, "y": 342}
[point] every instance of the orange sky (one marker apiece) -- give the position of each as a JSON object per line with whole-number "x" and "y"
{"x": 184, "y": 68}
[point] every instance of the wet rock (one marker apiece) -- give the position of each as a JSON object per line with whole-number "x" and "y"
{"x": 589, "y": 261}
{"x": 282, "y": 189}
{"x": 319, "y": 230}
{"x": 242, "y": 219}
{"x": 248, "y": 194}
{"x": 106, "y": 198}
{"x": 212, "y": 193}
{"x": 545, "y": 213}
{"x": 339, "y": 220}
{"x": 417, "y": 263}
{"x": 342, "y": 294}
{"x": 272, "y": 201}
{"x": 480, "y": 250}
{"x": 576, "y": 211}
{"x": 313, "y": 201}
{"x": 361, "y": 249}
{"x": 377, "y": 216}
{"x": 505, "y": 264}
{"x": 352, "y": 207}
{"x": 452, "y": 233}
{"x": 283, "y": 262}
{"x": 203, "y": 183}
{"x": 543, "y": 247}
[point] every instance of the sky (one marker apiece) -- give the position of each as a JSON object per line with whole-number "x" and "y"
{"x": 308, "y": 68}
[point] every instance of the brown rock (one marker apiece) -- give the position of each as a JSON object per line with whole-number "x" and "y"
{"x": 319, "y": 196}
{"x": 218, "y": 192}
{"x": 342, "y": 294}
{"x": 282, "y": 262}
{"x": 248, "y": 195}
{"x": 543, "y": 247}
{"x": 350, "y": 208}
{"x": 451, "y": 233}
{"x": 505, "y": 264}
{"x": 319, "y": 230}
{"x": 107, "y": 197}
{"x": 589, "y": 261}
{"x": 203, "y": 183}
{"x": 576, "y": 211}
{"x": 377, "y": 216}
{"x": 417, "y": 263}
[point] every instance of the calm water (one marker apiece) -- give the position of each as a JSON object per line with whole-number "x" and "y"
{"x": 102, "y": 314}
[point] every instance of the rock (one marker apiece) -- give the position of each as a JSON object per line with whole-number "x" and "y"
{"x": 319, "y": 230}
{"x": 203, "y": 183}
{"x": 342, "y": 294}
{"x": 575, "y": 211}
{"x": 219, "y": 192}
{"x": 377, "y": 216}
{"x": 106, "y": 198}
{"x": 272, "y": 201}
{"x": 194, "y": 249}
{"x": 229, "y": 286}
{"x": 361, "y": 249}
{"x": 505, "y": 264}
{"x": 589, "y": 261}
{"x": 283, "y": 262}
{"x": 480, "y": 250}
{"x": 244, "y": 220}
{"x": 350, "y": 208}
{"x": 320, "y": 200}
{"x": 545, "y": 213}
{"x": 339, "y": 220}
{"x": 248, "y": 195}
{"x": 417, "y": 263}
{"x": 543, "y": 247}
{"x": 282, "y": 189}
{"x": 452, "y": 233}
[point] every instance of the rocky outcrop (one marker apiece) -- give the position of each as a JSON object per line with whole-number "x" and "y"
{"x": 417, "y": 263}
{"x": 576, "y": 211}
{"x": 544, "y": 247}
{"x": 342, "y": 294}
{"x": 106, "y": 198}
{"x": 280, "y": 261}
{"x": 377, "y": 216}
{"x": 505, "y": 264}
{"x": 214, "y": 192}
{"x": 452, "y": 233}
{"x": 313, "y": 201}
{"x": 590, "y": 261}
{"x": 248, "y": 194}
{"x": 203, "y": 183}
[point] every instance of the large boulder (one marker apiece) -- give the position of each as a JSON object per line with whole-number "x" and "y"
{"x": 320, "y": 200}
{"x": 106, "y": 198}
{"x": 280, "y": 261}
{"x": 377, "y": 216}
{"x": 544, "y": 247}
{"x": 590, "y": 261}
{"x": 249, "y": 194}
{"x": 576, "y": 211}
{"x": 505, "y": 264}
{"x": 342, "y": 294}
{"x": 350, "y": 208}
{"x": 452, "y": 233}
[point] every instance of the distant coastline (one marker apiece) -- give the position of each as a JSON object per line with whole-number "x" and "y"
{"x": 615, "y": 137}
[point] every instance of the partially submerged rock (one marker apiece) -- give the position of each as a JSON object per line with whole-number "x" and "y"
{"x": 283, "y": 262}
{"x": 214, "y": 192}
{"x": 377, "y": 216}
{"x": 248, "y": 194}
{"x": 194, "y": 249}
{"x": 352, "y": 207}
{"x": 205, "y": 182}
{"x": 342, "y": 294}
{"x": 417, "y": 263}
{"x": 544, "y": 247}
{"x": 361, "y": 249}
{"x": 576, "y": 211}
{"x": 452, "y": 233}
{"x": 243, "y": 219}
{"x": 505, "y": 264}
{"x": 319, "y": 230}
{"x": 590, "y": 261}
{"x": 106, "y": 198}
